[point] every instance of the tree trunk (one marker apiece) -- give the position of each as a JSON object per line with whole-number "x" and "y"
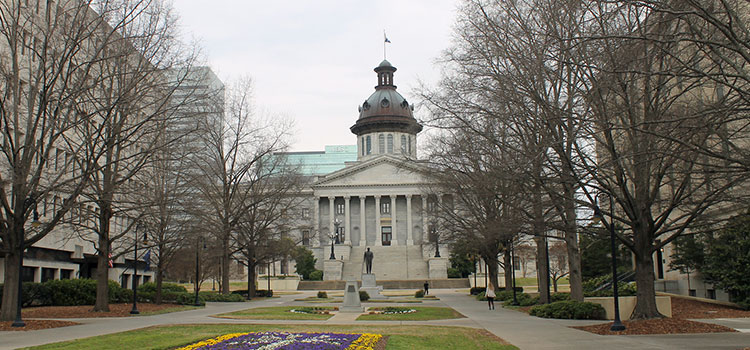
{"x": 225, "y": 265}
{"x": 159, "y": 280}
{"x": 575, "y": 275}
{"x": 10, "y": 289}
{"x": 508, "y": 270}
{"x": 541, "y": 268}
{"x": 102, "y": 277}
{"x": 492, "y": 269}
{"x": 645, "y": 306}
{"x": 251, "y": 280}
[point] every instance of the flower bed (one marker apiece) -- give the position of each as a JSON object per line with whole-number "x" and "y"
{"x": 313, "y": 310}
{"x": 391, "y": 310}
{"x": 288, "y": 341}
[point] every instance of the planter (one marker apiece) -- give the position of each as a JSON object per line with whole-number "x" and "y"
{"x": 627, "y": 305}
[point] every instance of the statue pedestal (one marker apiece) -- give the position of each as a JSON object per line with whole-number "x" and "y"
{"x": 351, "y": 298}
{"x": 438, "y": 268}
{"x": 369, "y": 286}
{"x": 332, "y": 270}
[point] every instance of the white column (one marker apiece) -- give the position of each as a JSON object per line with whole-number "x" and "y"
{"x": 378, "y": 233}
{"x": 424, "y": 219}
{"x": 362, "y": 222}
{"x": 316, "y": 223}
{"x": 394, "y": 237}
{"x": 347, "y": 223}
{"x": 409, "y": 233}
{"x": 331, "y": 202}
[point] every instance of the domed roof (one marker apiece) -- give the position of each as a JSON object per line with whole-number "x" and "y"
{"x": 386, "y": 109}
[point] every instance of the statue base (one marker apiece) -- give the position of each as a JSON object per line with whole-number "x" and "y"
{"x": 369, "y": 286}
{"x": 351, "y": 298}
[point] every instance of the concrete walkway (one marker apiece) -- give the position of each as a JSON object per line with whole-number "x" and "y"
{"x": 517, "y": 328}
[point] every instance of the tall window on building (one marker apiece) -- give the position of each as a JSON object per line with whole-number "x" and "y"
{"x": 387, "y": 234}
{"x": 340, "y": 235}
{"x": 409, "y": 145}
{"x": 363, "y": 145}
{"x": 305, "y": 213}
{"x": 390, "y": 143}
{"x": 369, "y": 145}
{"x": 403, "y": 143}
{"x": 340, "y": 208}
{"x": 385, "y": 207}
{"x": 306, "y": 237}
{"x": 381, "y": 143}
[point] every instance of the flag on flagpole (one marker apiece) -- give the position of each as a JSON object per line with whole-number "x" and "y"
{"x": 386, "y": 38}
{"x": 147, "y": 260}
{"x": 111, "y": 263}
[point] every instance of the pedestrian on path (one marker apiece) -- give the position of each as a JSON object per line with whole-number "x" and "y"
{"x": 490, "y": 295}
{"x": 426, "y": 287}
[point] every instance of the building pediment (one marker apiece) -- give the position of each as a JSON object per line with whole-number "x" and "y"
{"x": 380, "y": 171}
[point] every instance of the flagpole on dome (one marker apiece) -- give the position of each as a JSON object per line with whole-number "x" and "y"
{"x": 385, "y": 41}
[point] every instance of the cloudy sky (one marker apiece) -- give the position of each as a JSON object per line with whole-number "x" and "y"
{"x": 312, "y": 61}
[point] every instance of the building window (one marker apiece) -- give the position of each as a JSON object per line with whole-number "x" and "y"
{"x": 387, "y": 234}
{"x": 409, "y": 145}
{"x": 711, "y": 293}
{"x": 390, "y": 143}
{"x": 403, "y": 143}
{"x": 381, "y": 143}
{"x": 340, "y": 208}
{"x": 691, "y": 292}
{"x": 385, "y": 207}
{"x": 369, "y": 145}
{"x": 363, "y": 145}
{"x": 47, "y": 274}
{"x": 305, "y": 213}
{"x": 306, "y": 237}
{"x": 65, "y": 274}
{"x": 431, "y": 205}
{"x": 340, "y": 235}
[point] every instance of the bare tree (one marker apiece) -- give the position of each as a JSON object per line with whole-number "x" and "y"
{"x": 558, "y": 267}
{"x": 237, "y": 149}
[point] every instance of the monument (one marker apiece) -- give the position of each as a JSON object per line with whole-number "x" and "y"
{"x": 368, "y": 278}
{"x": 351, "y": 298}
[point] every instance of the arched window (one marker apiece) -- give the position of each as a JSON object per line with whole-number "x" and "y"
{"x": 390, "y": 143}
{"x": 369, "y": 144}
{"x": 403, "y": 143}
{"x": 381, "y": 144}
{"x": 363, "y": 145}
{"x": 409, "y": 145}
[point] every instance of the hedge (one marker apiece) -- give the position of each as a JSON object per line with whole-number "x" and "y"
{"x": 569, "y": 309}
{"x": 218, "y": 297}
{"x": 363, "y": 296}
{"x": 419, "y": 294}
{"x": 316, "y": 275}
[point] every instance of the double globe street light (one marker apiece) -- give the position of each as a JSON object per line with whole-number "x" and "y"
{"x": 333, "y": 236}
{"x": 599, "y": 216}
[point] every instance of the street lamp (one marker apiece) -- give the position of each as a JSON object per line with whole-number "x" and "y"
{"x": 513, "y": 271}
{"x": 27, "y": 203}
{"x": 599, "y": 216}
{"x": 138, "y": 227}
{"x": 197, "y": 266}
{"x": 437, "y": 243}
{"x": 332, "y": 236}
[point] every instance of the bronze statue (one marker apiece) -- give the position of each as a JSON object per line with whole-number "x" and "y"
{"x": 368, "y": 260}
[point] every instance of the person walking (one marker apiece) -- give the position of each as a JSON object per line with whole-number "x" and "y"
{"x": 490, "y": 295}
{"x": 426, "y": 287}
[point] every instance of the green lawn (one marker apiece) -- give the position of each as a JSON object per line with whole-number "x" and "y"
{"x": 177, "y": 308}
{"x": 401, "y": 337}
{"x": 273, "y": 313}
{"x": 423, "y": 314}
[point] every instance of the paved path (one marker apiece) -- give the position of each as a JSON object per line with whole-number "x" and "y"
{"x": 517, "y": 328}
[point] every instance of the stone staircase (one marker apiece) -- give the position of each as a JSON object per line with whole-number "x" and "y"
{"x": 390, "y": 263}
{"x": 451, "y": 283}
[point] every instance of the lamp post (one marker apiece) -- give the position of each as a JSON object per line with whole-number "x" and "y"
{"x": 598, "y": 215}
{"x": 332, "y": 236}
{"x": 437, "y": 243}
{"x": 27, "y": 203}
{"x": 513, "y": 271}
{"x": 134, "y": 310}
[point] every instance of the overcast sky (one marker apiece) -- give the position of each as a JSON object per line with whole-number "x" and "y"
{"x": 313, "y": 61}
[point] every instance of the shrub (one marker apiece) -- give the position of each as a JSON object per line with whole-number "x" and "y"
{"x": 476, "y": 290}
{"x": 165, "y": 287}
{"x": 316, "y": 275}
{"x": 73, "y": 292}
{"x": 623, "y": 289}
{"x": 363, "y": 296}
{"x": 322, "y": 295}
{"x": 263, "y": 293}
{"x": 559, "y": 297}
{"x": 454, "y": 273}
{"x": 221, "y": 298}
{"x": 481, "y": 297}
{"x": 189, "y": 299}
{"x": 419, "y": 294}
{"x": 569, "y": 309}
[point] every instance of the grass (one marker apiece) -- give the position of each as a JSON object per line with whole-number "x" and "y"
{"x": 273, "y": 313}
{"x": 401, "y": 337}
{"x": 422, "y": 314}
{"x": 320, "y": 300}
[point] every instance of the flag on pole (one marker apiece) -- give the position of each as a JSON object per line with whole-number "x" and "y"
{"x": 147, "y": 260}
{"x": 386, "y": 38}
{"x": 111, "y": 263}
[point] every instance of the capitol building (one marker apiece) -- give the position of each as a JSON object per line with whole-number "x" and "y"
{"x": 372, "y": 195}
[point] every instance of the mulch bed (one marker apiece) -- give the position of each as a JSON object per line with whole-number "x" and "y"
{"x": 658, "y": 326}
{"x": 686, "y": 308}
{"x": 115, "y": 310}
{"x": 32, "y": 325}
{"x": 381, "y": 344}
